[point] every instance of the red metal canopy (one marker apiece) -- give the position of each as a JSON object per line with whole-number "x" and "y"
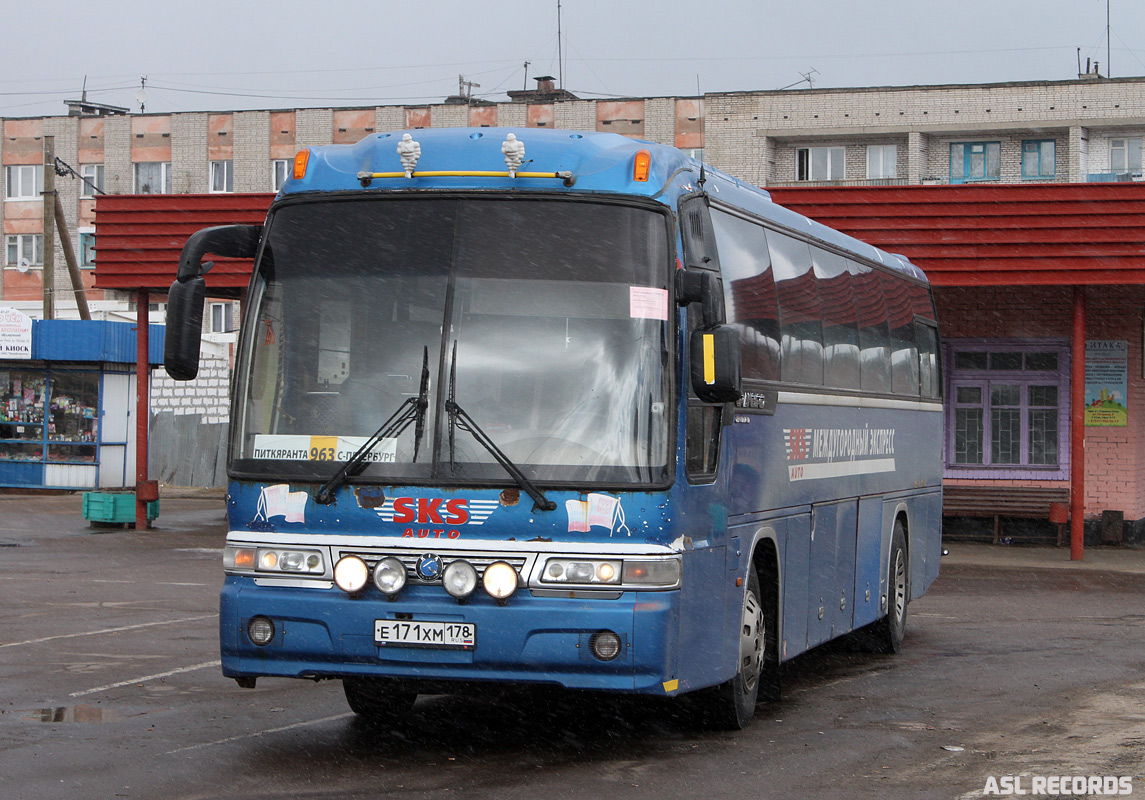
{"x": 1000, "y": 234}
{"x": 139, "y": 238}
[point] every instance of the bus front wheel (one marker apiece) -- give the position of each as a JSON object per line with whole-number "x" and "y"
{"x": 733, "y": 702}
{"x": 379, "y": 700}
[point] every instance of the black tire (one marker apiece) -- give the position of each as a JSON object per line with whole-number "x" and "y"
{"x": 733, "y": 703}
{"x": 379, "y": 700}
{"x": 886, "y": 635}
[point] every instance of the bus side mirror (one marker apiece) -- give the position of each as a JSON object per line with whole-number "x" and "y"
{"x": 701, "y": 286}
{"x": 184, "y": 328}
{"x": 715, "y": 358}
{"x": 228, "y": 241}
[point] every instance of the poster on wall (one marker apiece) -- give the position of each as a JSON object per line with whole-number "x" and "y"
{"x": 15, "y": 334}
{"x": 1106, "y": 383}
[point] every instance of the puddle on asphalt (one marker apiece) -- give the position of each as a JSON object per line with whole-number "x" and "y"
{"x": 90, "y": 714}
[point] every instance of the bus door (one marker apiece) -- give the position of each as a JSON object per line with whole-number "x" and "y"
{"x": 831, "y": 569}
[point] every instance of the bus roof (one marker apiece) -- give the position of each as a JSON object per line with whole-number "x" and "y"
{"x": 554, "y": 160}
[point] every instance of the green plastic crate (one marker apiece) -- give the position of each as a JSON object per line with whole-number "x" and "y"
{"x": 114, "y": 508}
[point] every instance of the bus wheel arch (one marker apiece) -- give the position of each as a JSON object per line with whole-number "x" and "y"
{"x": 765, "y": 561}
{"x": 885, "y": 635}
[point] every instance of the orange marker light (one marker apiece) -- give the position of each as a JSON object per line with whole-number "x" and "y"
{"x": 642, "y": 166}
{"x": 301, "y": 159}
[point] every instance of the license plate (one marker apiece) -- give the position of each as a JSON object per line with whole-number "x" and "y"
{"x": 414, "y": 633}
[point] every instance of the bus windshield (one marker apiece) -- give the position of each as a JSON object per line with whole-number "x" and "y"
{"x": 545, "y": 320}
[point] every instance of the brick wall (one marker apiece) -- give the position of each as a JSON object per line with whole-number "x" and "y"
{"x": 208, "y": 395}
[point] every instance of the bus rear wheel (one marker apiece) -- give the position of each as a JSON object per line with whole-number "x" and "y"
{"x": 733, "y": 702}
{"x": 886, "y": 635}
{"x": 379, "y": 700}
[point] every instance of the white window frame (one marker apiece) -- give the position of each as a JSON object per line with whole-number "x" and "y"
{"x": 879, "y": 166}
{"x": 225, "y": 321}
{"x": 86, "y": 246}
{"x": 164, "y": 176}
{"x": 279, "y": 172}
{"x": 18, "y": 246}
{"x": 805, "y": 163}
{"x": 93, "y": 173}
{"x": 222, "y": 174}
{"x": 23, "y": 181}
{"x": 1127, "y": 151}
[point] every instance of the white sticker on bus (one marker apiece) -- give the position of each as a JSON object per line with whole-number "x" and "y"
{"x": 295, "y": 447}
{"x": 817, "y": 453}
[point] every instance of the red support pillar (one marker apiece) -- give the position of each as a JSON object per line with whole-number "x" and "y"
{"x": 1077, "y": 428}
{"x": 145, "y": 490}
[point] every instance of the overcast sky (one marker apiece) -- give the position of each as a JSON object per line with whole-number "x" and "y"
{"x": 238, "y": 54}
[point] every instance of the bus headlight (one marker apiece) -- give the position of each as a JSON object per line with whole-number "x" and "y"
{"x": 351, "y": 574}
{"x": 660, "y": 574}
{"x": 309, "y": 562}
{"x": 460, "y": 579}
{"x": 500, "y": 580}
{"x": 390, "y": 576}
{"x": 581, "y": 571}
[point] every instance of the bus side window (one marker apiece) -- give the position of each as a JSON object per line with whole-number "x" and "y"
{"x": 874, "y": 338}
{"x": 702, "y": 428}
{"x": 799, "y": 309}
{"x": 904, "y": 349}
{"x": 749, "y": 293}
{"x": 840, "y": 331}
{"x": 927, "y": 335}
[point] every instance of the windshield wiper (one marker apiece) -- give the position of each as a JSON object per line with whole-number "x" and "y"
{"x": 411, "y": 410}
{"x": 458, "y": 418}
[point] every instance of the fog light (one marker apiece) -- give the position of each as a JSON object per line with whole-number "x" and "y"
{"x": 390, "y": 576}
{"x": 260, "y": 630}
{"x": 460, "y": 579}
{"x": 605, "y": 645}
{"x": 500, "y": 580}
{"x": 351, "y": 574}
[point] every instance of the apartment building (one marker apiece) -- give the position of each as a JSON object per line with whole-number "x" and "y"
{"x": 1058, "y": 131}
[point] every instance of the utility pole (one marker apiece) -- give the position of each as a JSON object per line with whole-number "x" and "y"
{"x": 49, "y": 188}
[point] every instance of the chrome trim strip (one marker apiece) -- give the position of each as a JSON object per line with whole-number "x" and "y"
{"x": 238, "y": 538}
{"x": 852, "y": 401}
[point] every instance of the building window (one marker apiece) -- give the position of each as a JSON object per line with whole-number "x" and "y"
{"x": 1124, "y": 155}
{"x": 24, "y": 247}
{"x": 222, "y": 176}
{"x": 975, "y": 161}
{"x": 92, "y": 183}
{"x": 882, "y": 161}
{"x": 23, "y": 182}
{"x": 222, "y": 318}
{"x": 1039, "y": 159}
{"x": 153, "y": 177}
{"x": 279, "y": 170}
{"x": 1009, "y": 410}
{"x": 87, "y": 248}
{"x": 820, "y": 163}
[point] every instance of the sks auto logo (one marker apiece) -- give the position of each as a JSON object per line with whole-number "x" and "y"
{"x": 816, "y": 453}
{"x": 436, "y": 516}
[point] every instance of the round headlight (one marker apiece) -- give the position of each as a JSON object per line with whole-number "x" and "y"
{"x": 351, "y": 574}
{"x": 390, "y": 576}
{"x": 460, "y": 579}
{"x": 605, "y": 645}
{"x": 260, "y": 629}
{"x": 500, "y": 580}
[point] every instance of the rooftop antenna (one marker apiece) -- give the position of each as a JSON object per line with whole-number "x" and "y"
{"x": 83, "y": 92}
{"x": 560, "y": 51}
{"x": 525, "y": 87}
{"x": 141, "y": 95}
{"x": 1108, "y": 51}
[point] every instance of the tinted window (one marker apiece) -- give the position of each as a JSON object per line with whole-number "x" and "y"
{"x": 904, "y": 349}
{"x": 840, "y": 330}
{"x": 799, "y": 309}
{"x": 749, "y": 293}
{"x": 874, "y": 338}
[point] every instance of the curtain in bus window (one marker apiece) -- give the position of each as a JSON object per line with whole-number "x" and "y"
{"x": 749, "y": 293}
{"x": 874, "y": 338}
{"x": 802, "y": 333}
{"x": 840, "y": 331}
{"x": 904, "y": 349}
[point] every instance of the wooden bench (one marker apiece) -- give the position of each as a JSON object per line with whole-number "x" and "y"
{"x": 1023, "y": 502}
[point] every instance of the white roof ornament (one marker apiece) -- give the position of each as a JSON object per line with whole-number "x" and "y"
{"x": 514, "y": 151}
{"x": 410, "y": 152}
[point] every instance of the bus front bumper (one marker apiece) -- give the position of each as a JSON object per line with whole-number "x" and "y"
{"x": 324, "y": 633}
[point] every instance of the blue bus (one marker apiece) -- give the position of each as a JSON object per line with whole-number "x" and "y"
{"x": 549, "y": 407}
